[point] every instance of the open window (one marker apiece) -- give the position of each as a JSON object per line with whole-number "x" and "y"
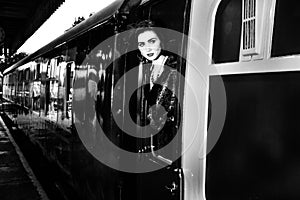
{"x": 252, "y": 28}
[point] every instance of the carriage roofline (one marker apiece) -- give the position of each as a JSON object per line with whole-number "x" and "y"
{"x": 98, "y": 18}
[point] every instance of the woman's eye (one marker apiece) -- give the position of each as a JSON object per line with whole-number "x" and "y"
{"x": 141, "y": 44}
{"x": 152, "y": 41}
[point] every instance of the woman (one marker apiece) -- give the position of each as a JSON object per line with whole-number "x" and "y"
{"x": 158, "y": 80}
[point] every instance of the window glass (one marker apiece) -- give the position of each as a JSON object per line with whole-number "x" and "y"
{"x": 257, "y": 154}
{"x": 227, "y": 32}
{"x": 286, "y": 28}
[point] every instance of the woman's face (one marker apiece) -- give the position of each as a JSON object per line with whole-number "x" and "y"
{"x": 149, "y": 45}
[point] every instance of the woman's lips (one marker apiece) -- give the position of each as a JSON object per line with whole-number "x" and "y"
{"x": 150, "y": 54}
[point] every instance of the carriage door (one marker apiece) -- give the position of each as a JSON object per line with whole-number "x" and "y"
{"x": 157, "y": 151}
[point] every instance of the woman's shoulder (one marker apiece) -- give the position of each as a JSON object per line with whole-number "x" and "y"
{"x": 172, "y": 61}
{"x": 170, "y": 74}
{"x": 172, "y": 64}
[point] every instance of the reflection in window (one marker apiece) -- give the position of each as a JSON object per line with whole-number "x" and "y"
{"x": 36, "y": 92}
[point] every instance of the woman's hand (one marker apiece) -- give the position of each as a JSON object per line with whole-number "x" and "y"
{"x": 158, "y": 117}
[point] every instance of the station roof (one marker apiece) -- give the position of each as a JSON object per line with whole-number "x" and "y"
{"x": 21, "y": 18}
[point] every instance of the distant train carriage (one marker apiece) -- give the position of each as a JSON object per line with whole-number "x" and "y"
{"x": 69, "y": 86}
{"x": 1, "y": 84}
{"x": 237, "y": 87}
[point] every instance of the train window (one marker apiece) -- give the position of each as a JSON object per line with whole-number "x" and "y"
{"x": 20, "y": 76}
{"x": 82, "y": 43}
{"x": 257, "y": 154}
{"x": 36, "y": 92}
{"x": 227, "y": 32}
{"x": 26, "y": 88}
{"x": 27, "y": 74}
{"x": 31, "y": 71}
{"x": 286, "y": 28}
{"x": 174, "y": 18}
{"x": 37, "y": 73}
{"x": 52, "y": 70}
{"x": 69, "y": 88}
{"x": 249, "y": 23}
{"x": 61, "y": 98}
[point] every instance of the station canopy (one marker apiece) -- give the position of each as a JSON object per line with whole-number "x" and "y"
{"x": 19, "y": 19}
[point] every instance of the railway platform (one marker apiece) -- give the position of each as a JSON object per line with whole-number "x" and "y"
{"x": 17, "y": 181}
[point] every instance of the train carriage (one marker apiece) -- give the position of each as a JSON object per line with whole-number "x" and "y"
{"x": 237, "y": 86}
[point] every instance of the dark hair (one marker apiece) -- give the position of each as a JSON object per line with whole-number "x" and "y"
{"x": 147, "y": 25}
{"x": 141, "y": 27}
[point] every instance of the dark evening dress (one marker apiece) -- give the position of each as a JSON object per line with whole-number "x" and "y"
{"x": 160, "y": 105}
